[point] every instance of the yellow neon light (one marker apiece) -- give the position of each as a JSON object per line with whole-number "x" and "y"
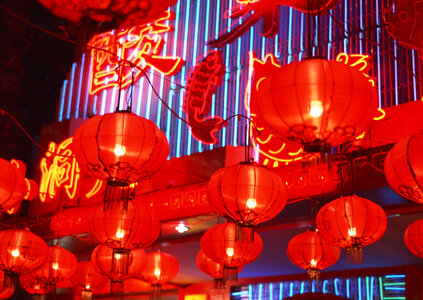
{"x": 383, "y": 115}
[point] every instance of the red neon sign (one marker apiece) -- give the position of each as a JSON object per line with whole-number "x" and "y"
{"x": 203, "y": 81}
{"x": 60, "y": 170}
{"x": 141, "y": 45}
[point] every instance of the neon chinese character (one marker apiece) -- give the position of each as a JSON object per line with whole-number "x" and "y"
{"x": 140, "y": 45}
{"x": 59, "y": 169}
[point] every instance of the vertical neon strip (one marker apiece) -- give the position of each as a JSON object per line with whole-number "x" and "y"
{"x": 359, "y": 287}
{"x": 169, "y": 115}
{"x": 290, "y": 36}
{"x": 263, "y": 47}
{"x": 413, "y": 53}
{"x": 69, "y": 106}
{"x": 345, "y": 24}
{"x": 302, "y": 287}
{"x": 159, "y": 103}
{"x": 113, "y": 100}
{"x": 368, "y": 288}
{"x": 270, "y": 291}
{"x": 87, "y": 89}
{"x": 62, "y": 100}
{"x": 379, "y": 74}
{"x": 260, "y": 291}
{"x": 103, "y": 102}
{"x": 348, "y": 288}
{"x": 140, "y": 94}
{"x": 277, "y": 52}
{"x": 291, "y": 289}
{"x": 302, "y": 34}
{"x": 226, "y": 82}
{"x": 335, "y": 283}
{"x": 250, "y": 292}
{"x": 78, "y": 97}
{"x": 396, "y": 72}
{"x": 150, "y": 91}
{"x": 281, "y": 291}
{"x": 361, "y": 17}
{"x": 330, "y": 38}
{"x": 238, "y": 99}
{"x": 372, "y": 280}
{"x": 381, "y": 288}
{"x": 313, "y": 286}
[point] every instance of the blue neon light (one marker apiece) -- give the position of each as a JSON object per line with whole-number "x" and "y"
{"x": 68, "y": 111}
{"x": 78, "y": 97}
{"x": 62, "y": 100}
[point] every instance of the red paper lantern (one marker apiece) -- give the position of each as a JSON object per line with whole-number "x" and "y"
{"x": 219, "y": 243}
{"x": 21, "y": 251}
{"x": 87, "y": 277}
{"x": 310, "y": 251}
{"x": 12, "y": 185}
{"x": 212, "y": 269}
{"x": 247, "y": 194}
{"x": 117, "y": 266}
{"x": 413, "y": 238}
{"x": 352, "y": 222}
{"x": 317, "y": 102}
{"x": 121, "y": 148}
{"x": 71, "y": 221}
{"x": 128, "y": 12}
{"x": 132, "y": 229}
{"x": 61, "y": 264}
{"x": 160, "y": 268}
{"x": 404, "y": 168}
{"x": 33, "y": 286}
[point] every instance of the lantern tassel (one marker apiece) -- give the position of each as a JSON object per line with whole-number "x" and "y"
{"x": 155, "y": 292}
{"x": 244, "y": 234}
{"x": 314, "y": 275}
{"x": 116, "y": 289}
{"x": 219, "y": 283}
{"x": 86, "y": 295}
{"x": 117, "y": 195}
{"x": 230, "y": 273}
{"x": 120, "y": 262}
{"x": 355, "y": 255}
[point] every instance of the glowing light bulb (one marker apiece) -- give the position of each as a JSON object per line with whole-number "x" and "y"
{"x": 352, "y": 232}
{"x": 313, "y": 263}
{"x": 120, "y": 150}
{"x": 316, "y": 109}
{"x": 117, "y": 256}
{"x": 87, "y": 287}
{"x": 251, "y": 203}
{"x": 15, "y": 253}
{"x": 230, "y": 252}
{"x": 55, "y": 266}
{"x": 157, "y": 272}
{"x": 120, "y": 233}
{"x": 181, "y": 228}
{"x": 37, "y": 287}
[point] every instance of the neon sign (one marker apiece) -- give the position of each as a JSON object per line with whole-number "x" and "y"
{"x": 60, "y": 170}
{"x": 274, "y": 149}
{"x": 358, "y": 61}
{"x": 141, "y": 45}
{"x": 203, "y": 81}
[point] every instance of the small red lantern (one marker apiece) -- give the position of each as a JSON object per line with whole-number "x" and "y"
{"x": 212, "y": 269}
{"x": 404, "y": 168}
{"x": 61, "y": 264}
{"x": 121, "y": 148}
{"x": 219, "y": 243}
{"x": 88, "y": 278}
{"x": 69, "y": 221}
{"x": 34, "y": 286}
{"x": 21, "y": 251}
{"x": 310, "y": 251}
{"x": 12, "y": 185}
{"x": 413, "y": 238}
{"x": 247, "y": 194}
{"x": 352, "y": 222}
{"x": 124, "y": 230}
{"x": 317, "y": 102}
{"x": 117, "y": 266}
{"x": 160, "y": 268}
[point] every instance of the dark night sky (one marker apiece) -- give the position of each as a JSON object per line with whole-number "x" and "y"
{"x": 33, "y": 66}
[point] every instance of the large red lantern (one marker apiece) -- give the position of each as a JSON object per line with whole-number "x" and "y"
{"x": 212, "y": 269}
{"x": 87, "y": 278}
{"x": 12, "y": 185}
{"x": 121, "y": 148}
{"x": 7, "y": 291}
{"x": 160, "y": 268}
{"x": 61, "y": 264}
{"x": 219, "y": 243}
{"x": 124, "y": 13}
{"x": 117, "y": 266}
{"x": 310, "y": 251}
{"x": 352, "y": 222}
{"x": 247, "y": 194}
{"x": 317, "y": 102}
{"x": 413, "y": 238}
{"x": 404, "y": 168}
{"x": 33, "y": 286}
{"x": 124, "y": 230}
{"x": 21, "y": 251}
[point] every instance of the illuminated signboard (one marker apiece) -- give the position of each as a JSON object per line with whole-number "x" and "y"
{"x": 141, "y": 45}
{"x": 363, "y": 288}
